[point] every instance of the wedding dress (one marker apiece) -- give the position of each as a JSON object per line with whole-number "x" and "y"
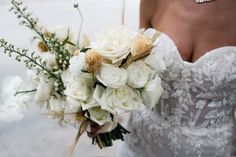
{"x": 195, "y": 115}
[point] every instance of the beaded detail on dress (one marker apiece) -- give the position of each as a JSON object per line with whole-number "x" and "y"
{"x": 195, "y": 115}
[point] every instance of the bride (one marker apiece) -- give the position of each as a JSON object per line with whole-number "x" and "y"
{"x": 195, "y": 115}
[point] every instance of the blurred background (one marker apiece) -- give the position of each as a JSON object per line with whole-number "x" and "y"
{"x": 36, "y": 135}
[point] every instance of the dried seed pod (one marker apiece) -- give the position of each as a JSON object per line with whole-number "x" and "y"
{"x": 47, "y": 34}
{"x": 42, "y": 47}
{"x": 93, "y": 61}
{"x": 141, "y": 47}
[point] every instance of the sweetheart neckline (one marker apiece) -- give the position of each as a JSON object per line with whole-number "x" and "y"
{"x": 201, "y": 57}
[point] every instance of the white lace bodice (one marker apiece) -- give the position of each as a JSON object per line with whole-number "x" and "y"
{"x": 195, "y": 115}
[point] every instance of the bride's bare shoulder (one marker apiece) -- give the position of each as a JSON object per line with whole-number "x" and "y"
{"x": 147, "y": 10}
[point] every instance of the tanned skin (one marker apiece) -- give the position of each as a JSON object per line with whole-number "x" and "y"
{"x": 195, "y": 28}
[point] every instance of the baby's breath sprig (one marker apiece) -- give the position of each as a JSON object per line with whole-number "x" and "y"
{"x": 26, "y": 18}
{"x": 32, "y": 61}
{"x": 49, "y": 39}
{"x": 58, "y": 48}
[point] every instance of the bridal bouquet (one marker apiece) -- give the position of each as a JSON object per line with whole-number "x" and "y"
{"x": 88, "y": 85}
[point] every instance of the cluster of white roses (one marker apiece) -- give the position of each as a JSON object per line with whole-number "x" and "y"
{"x": 91, "y": 85}
{"x": 117, "y": 74}
{"x": 121, "y": 88}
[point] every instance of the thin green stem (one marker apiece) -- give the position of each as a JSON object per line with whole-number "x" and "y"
{"x": 24, "y": 92}
{"x": 81, "y": 24}
{"x": 32, "y": 26}
{"x": 30, "y": 59}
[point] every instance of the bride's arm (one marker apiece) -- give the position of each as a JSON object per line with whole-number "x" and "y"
{"x": 147, "y": 10}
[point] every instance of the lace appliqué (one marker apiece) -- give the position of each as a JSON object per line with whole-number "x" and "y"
{"x": 195, "y": 115}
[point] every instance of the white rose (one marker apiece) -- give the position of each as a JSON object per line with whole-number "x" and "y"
{"x": 56, "y": 104}
{"x": 77, "y": 63}
{"x": 139, "y": 74}
{"x": 156, "y": 60}
{"x": 66, "y": 77}
{"x": 73, "y": 105}
{"x": 120, "y": 100}
{"x": 90, "y": 103}
{"x": 13, "y": 107}
{"x": 50, "y": 59}
{"x": 97, "y": 95}
{"x": 63, "y": 32}
{"x": 152, "y": 92}
{"x": 44, "y": 89}
{"x": 81, "y": 87}
{"x": 114, "y": 43}
{"x": 112, "y": 76}
{"x": 99, "y": 115}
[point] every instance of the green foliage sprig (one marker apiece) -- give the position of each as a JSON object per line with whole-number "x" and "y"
{"x": 58, "y": 48}
{"x": 49, "y": 39}
{"x": 26, "y": 18}
{"x": 32, "y": 61}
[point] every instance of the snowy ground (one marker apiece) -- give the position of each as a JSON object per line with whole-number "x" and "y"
{"x": 36, "y": 135}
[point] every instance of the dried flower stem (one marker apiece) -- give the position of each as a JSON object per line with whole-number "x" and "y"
{"x": 123, "y": 12}
{"x": 81, "y": 24}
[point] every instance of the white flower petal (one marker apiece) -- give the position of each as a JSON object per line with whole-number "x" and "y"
{"x": 56, "y": 104}
{"x": 156, "y": 60}
{"x": 62, "y": 32}
{"x": 117, "y": 101}
{"x": 99, "y": 115}
{"x": 98, "y": 92}
{"x": 50, "y": 59}
{"x": 81, "y": 87}
{"x": 112, "y": 76}
{"x": 89, "y": 104}
{"x": 114, "y": 43}
{"x": 152, "y": 92}
{"x": 66, "y": 77}
{"x": 73, "y": 105}
{"x": 43, "y": 91}
{"x": 77, "y": 63}
{"x": 13, "y": 107}
{"x": 139, "y": 74}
